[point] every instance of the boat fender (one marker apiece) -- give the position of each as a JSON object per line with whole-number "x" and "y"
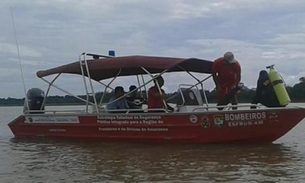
{"x": 278, "y": 86}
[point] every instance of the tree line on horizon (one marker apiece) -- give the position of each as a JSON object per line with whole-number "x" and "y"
{"x": 296, "y": 93}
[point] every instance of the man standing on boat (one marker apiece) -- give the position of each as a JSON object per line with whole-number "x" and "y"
{"x": 226, "y": 75}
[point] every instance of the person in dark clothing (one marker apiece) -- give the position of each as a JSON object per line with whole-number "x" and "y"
{"x": 134, "y": 100}
{"x": 264, "y": 92}
{"x": 114, "y": 103}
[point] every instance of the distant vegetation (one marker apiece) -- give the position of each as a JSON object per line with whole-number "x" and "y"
{"x": 296, "y": 92}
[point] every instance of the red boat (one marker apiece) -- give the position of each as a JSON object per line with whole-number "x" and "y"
{"x": 194, "y": 120}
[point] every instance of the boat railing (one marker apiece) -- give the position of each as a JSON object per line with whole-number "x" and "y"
{"x": 102, "y": 110}
{"x": 135, "y": 110}
{"x": 96, "y": 56}
{"x": 190, "y": 108}
{"x": 42, "y": 112}
{"x": 85, "y": 72}
{"x": 226, "y": 107}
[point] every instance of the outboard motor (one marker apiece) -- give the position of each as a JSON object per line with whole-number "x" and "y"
{"x": 35, "y": 97}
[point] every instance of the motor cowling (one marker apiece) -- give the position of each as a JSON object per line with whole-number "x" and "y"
{"x": 34, "y": 101}
{"x": 278, "y": 86}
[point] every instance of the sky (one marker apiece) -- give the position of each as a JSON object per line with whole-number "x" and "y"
{"x": 53, "y": 33}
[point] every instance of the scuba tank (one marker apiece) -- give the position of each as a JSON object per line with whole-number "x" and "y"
{"x": 278, "y": 86}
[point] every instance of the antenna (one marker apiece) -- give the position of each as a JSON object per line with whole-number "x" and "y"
{"x": 16, "y": 40}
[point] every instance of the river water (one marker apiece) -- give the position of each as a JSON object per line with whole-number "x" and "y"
{"x": 43, "y": 160}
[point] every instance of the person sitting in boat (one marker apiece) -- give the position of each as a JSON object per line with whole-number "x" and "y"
{"x": 134, "y": 100}
{"x": 264, "y": 92}
{"x": 117, "y": 101}
{"x": 156, "y": 95}
{"x": 226, "y": 75}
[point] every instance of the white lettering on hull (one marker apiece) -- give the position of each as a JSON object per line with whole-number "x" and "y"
{"x": 245, "y": 123}
{"x": 132, "y": 129}
{"x": 57, "y": 130}
{"x": 245, "y": 116}
{"x": 240, "y": 119}
{"x": 130, "y": 120}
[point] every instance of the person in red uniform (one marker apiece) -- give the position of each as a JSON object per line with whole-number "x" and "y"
{"x": 155, "y": 98}
{"x": 226, "y": 75}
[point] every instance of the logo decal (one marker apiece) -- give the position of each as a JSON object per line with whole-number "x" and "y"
{"x": 218, "y": 120}
{"x": 273, "y": 116}
{"x": 205, "y": 122}
{"x": 193, "y": 119}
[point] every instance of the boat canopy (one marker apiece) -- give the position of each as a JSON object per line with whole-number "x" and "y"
{"x": 131, "y": 65}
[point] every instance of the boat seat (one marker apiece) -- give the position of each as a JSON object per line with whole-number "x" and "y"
{"x": 190, "y": 97}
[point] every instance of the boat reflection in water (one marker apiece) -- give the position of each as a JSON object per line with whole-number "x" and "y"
{"x": 130, "y": 162}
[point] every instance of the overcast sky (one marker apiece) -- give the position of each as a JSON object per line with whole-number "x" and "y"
{"x": 52, "y": 33}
